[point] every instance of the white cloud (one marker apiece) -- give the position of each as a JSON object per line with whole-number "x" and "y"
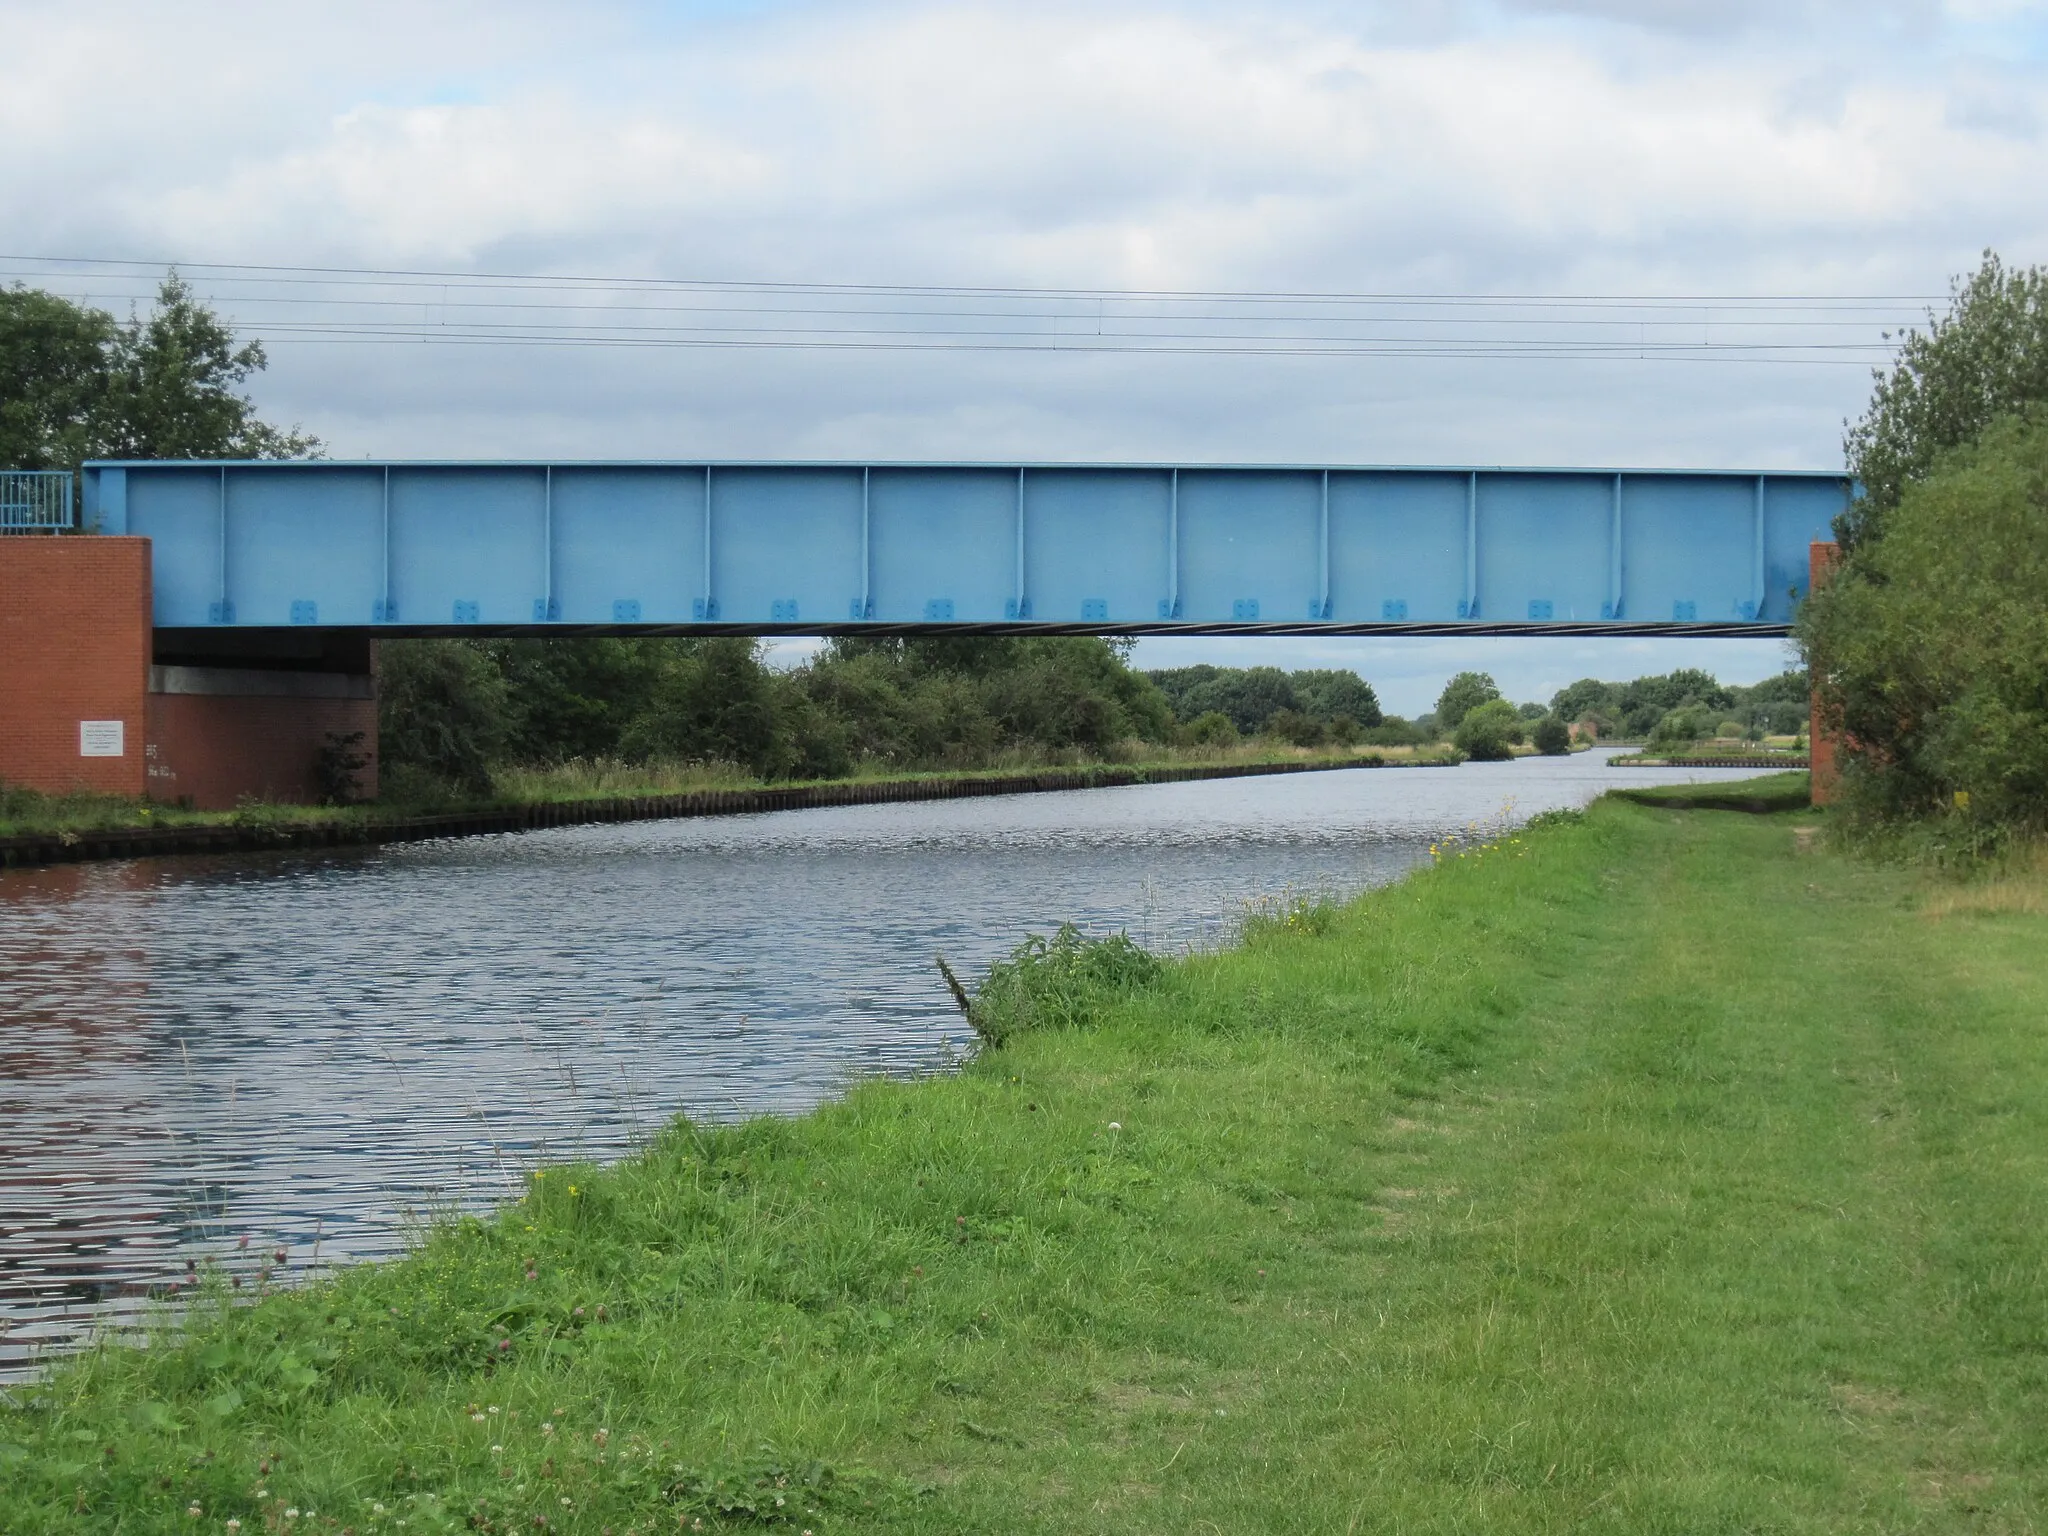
{"x": 1107, "y": 145}
{"x": 1528, "y": 145}
{"x": 444, "y": 183}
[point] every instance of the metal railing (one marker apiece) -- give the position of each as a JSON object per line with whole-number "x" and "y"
{"x": 37, "y": 500}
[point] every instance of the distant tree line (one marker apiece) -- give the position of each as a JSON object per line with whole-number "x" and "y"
{"x": 1671, "y": 709}
{"x": 1687, "y": 704}
{"x": 456, "y": 712}
{"x": 453, "y": 711}
{"x": 1307, "y": 708}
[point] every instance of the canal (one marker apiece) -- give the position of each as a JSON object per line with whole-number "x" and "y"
{"x": 320, "y": 1053}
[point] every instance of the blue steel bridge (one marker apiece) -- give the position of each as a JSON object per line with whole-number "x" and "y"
{"x": 439, "y": 548}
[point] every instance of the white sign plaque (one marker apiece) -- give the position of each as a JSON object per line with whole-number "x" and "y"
{"x": 101, "y": 738}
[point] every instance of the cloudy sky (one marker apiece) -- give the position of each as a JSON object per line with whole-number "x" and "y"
{"x": 1805, "y": 150}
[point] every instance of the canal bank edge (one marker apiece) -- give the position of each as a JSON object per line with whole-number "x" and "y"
{"x": 67, "y": 847}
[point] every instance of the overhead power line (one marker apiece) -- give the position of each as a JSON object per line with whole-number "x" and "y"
{"x": 368, "y": 306}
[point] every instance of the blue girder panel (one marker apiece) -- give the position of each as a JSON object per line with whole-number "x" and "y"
{"x": 418, "y": 548}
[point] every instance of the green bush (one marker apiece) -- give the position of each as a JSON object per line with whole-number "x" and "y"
{"x": 1393, "y": 731}
{"x": 1058, "y": 983}
{"x": 1213, "y": 729}
{"x": 1487, "y": 732}
{"x": 1552, "y": 737}
{"x": 1295, "y": 728}
{"x": 1929, "y": 646}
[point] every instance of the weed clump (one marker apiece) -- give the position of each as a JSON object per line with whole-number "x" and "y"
{"x": 1059, "y": 983}
{"x": 1307, "y": 913}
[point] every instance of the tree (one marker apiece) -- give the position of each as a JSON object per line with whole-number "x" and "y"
{"x": 76, "y": 385}
{"x": 1488, "y": 730}
{"x": 1253, "y": 696}
{"x": 1462, "y": 694}
{"x": 1250, "y": 696}
{"x": 1588, "y": 696}
{"x": 1929, "y": 646}
{"x": 716, "y": 702}
{"x": 577, "y": 698}
{"x": 441, "y": 712}
{"x": 1685, "y": 725}
{"x": 1552, "y": 737}
{"x": 1786, "y": 687}
{"x": 1777, "y": 706}
{"x": 1330, "y": 696}
{"x": 54, "y": 358}
{"x": 1673, "y": 690}
{"x": 173, "y": 389}
{"x": 1987, "y": 357}
{"x": 1073, "y": 691}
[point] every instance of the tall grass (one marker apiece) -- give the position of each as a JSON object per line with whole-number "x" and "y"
{"x": 1061, "y": 982}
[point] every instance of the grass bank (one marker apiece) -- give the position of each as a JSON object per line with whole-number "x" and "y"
{"x": 27, "y": 812}
{"x": 1760, "y": 796}
{"x": 1707, "y": 755}
{"x": 1652, "y": 1171}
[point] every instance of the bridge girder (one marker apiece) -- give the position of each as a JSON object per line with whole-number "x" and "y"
{"x": 436, "y": 548}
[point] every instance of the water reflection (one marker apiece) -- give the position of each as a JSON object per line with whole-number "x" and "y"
{"x": 317, "y": 1050}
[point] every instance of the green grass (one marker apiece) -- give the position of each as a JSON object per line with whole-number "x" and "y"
{"x": 1648, "y": 1172}
{"x": 1771, "y": 792}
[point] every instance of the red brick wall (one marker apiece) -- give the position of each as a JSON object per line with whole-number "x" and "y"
{"x": 74, "y": 645}
{"x": 1820, "y": 560}
{"x": 216, "y": 749}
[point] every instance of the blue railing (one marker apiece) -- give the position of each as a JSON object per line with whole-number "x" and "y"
{"x": 36, "y": 500}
